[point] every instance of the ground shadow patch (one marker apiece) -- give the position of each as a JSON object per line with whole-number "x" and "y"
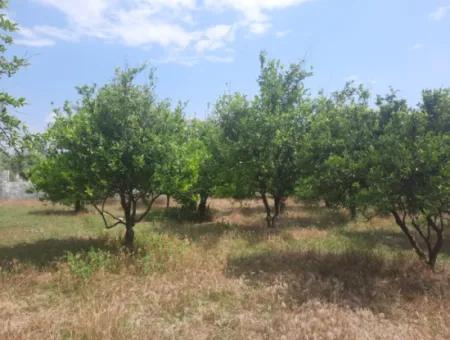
{"x": 208, "y": 234}
{"x": 58, "y": 212}
{"x": 44, "y": 253}
{"x": 352, "y": 278}
{"x": 391, "y": 238}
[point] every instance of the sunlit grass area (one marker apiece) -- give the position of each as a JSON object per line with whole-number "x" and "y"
{"x": 320, "y": 275}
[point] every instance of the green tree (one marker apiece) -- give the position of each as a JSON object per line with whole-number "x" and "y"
{"x": 392, "y": 160}
{"x": 205, "y": 165}
{"x": 9, "y": 125}
{"x": 410, "y": 173}
{"x": 198, "y": 170}
{"x": 339, "y": 140}
{"x": 264, "y": 134}
{"x": 51, "y": 170}
{"x": 117, "y": 143}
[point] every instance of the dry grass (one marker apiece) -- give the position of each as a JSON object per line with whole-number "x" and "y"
{"x": 319, "y": 277}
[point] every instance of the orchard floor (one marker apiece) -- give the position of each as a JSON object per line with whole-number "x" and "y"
{"x": 319, "y": 276}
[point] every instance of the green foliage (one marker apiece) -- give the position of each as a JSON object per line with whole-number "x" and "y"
{"x": 410, "y": 173}
{"x": 121, "y": 141}
{"x": 9, "y": 125}
{"x": 338, "y": 144}
{"x": 265, "y": 134}
{"x": 118, "y": 140}
{"x": 203, "y": 167}
{"x": 393, "y": 159}
{"x": 84, "y": 265}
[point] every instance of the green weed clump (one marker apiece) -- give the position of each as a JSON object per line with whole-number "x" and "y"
{"x": 84, "y": 265}
{"x": 153, "y": 253}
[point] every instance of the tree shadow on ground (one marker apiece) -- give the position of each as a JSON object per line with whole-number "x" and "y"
{"x": 353, "y": 278}
{"x": 56, "y": 212}
{"x": 45, "y": 253}
{"x": 209, "y": 234}
{"x": 177, "y": 215}
{"x": 369, "y": 239}
{"x": 325, "y": 219}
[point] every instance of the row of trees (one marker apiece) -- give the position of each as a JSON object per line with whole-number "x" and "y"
{"x": 121, "y": 141}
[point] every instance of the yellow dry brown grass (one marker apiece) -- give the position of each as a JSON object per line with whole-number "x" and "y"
{"x": 319, "y": 277}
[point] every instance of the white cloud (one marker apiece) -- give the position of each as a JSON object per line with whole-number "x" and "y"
{"x": 214, "y": 38}
{"x": 417, "y": 46}
{"x": 30, "y": 38}
{"x": 174, "y": 25}
{"x": 440, "y": 13}
{"x": 282, "y": 34}
{"x": 254, "y": 12}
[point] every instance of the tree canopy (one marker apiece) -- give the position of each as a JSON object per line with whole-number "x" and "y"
{"x": 264, "y": 133}
{"x": 118, "y": 140}
{"x": 9, "y": 125}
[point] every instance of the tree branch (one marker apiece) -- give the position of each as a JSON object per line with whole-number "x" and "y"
{"x": 149, "y": 207}
{"x": 102, "y": 212}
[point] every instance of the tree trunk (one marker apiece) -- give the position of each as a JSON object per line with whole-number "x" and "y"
{"x": 434, "y": 251}
{"x": 78, "y": 206}
{"x": 277, "y": 202}
{"x": 352, "y": 209}
{"x": 129, "y": 237}
{"x": 202, "y": 206}
{"x": 402, "y": 224}
{"x": 430, "y": 254}
{"x": 167, "y": 201}
{"x": 269, "y": 219}
{"x": 129, "y": 209}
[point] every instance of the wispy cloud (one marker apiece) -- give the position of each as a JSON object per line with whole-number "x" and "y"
{"x": 417, "y": 46}
{"x": 282, "y": 34}
{"x": 440, "y": 13}
{"x": 29, "y": 37}
{"x": 254, "y": 13}
{"x": 173, "y": 25}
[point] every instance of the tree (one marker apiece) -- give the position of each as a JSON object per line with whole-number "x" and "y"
{"x": 211, "y": 171}
{"x": 117, "y": 143}
{"x": 339, "y": 140}
{"x": 206, "y": 163}
{"x": 264, "y": 134}
{"x": 194, "y": 177}
{"x": 9, "y": 125}
{"x": 410, "y": 173}
{"x": 51, "y": 170}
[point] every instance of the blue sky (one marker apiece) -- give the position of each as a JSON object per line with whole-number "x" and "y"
{"x": 202, "y": 48}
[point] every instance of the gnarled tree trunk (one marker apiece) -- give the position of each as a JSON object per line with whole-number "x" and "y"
{"x": 429, "y": 233}
{"x": 272, "y": 218}
{"x": 129, "y": 236}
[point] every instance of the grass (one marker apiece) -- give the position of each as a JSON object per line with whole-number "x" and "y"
{"x": 320, "y": 276}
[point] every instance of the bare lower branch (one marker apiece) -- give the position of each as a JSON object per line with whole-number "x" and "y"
{"x": 402, "y": 224}
{"x": 104, "y": 213}
{"x": 149, "y": 207}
